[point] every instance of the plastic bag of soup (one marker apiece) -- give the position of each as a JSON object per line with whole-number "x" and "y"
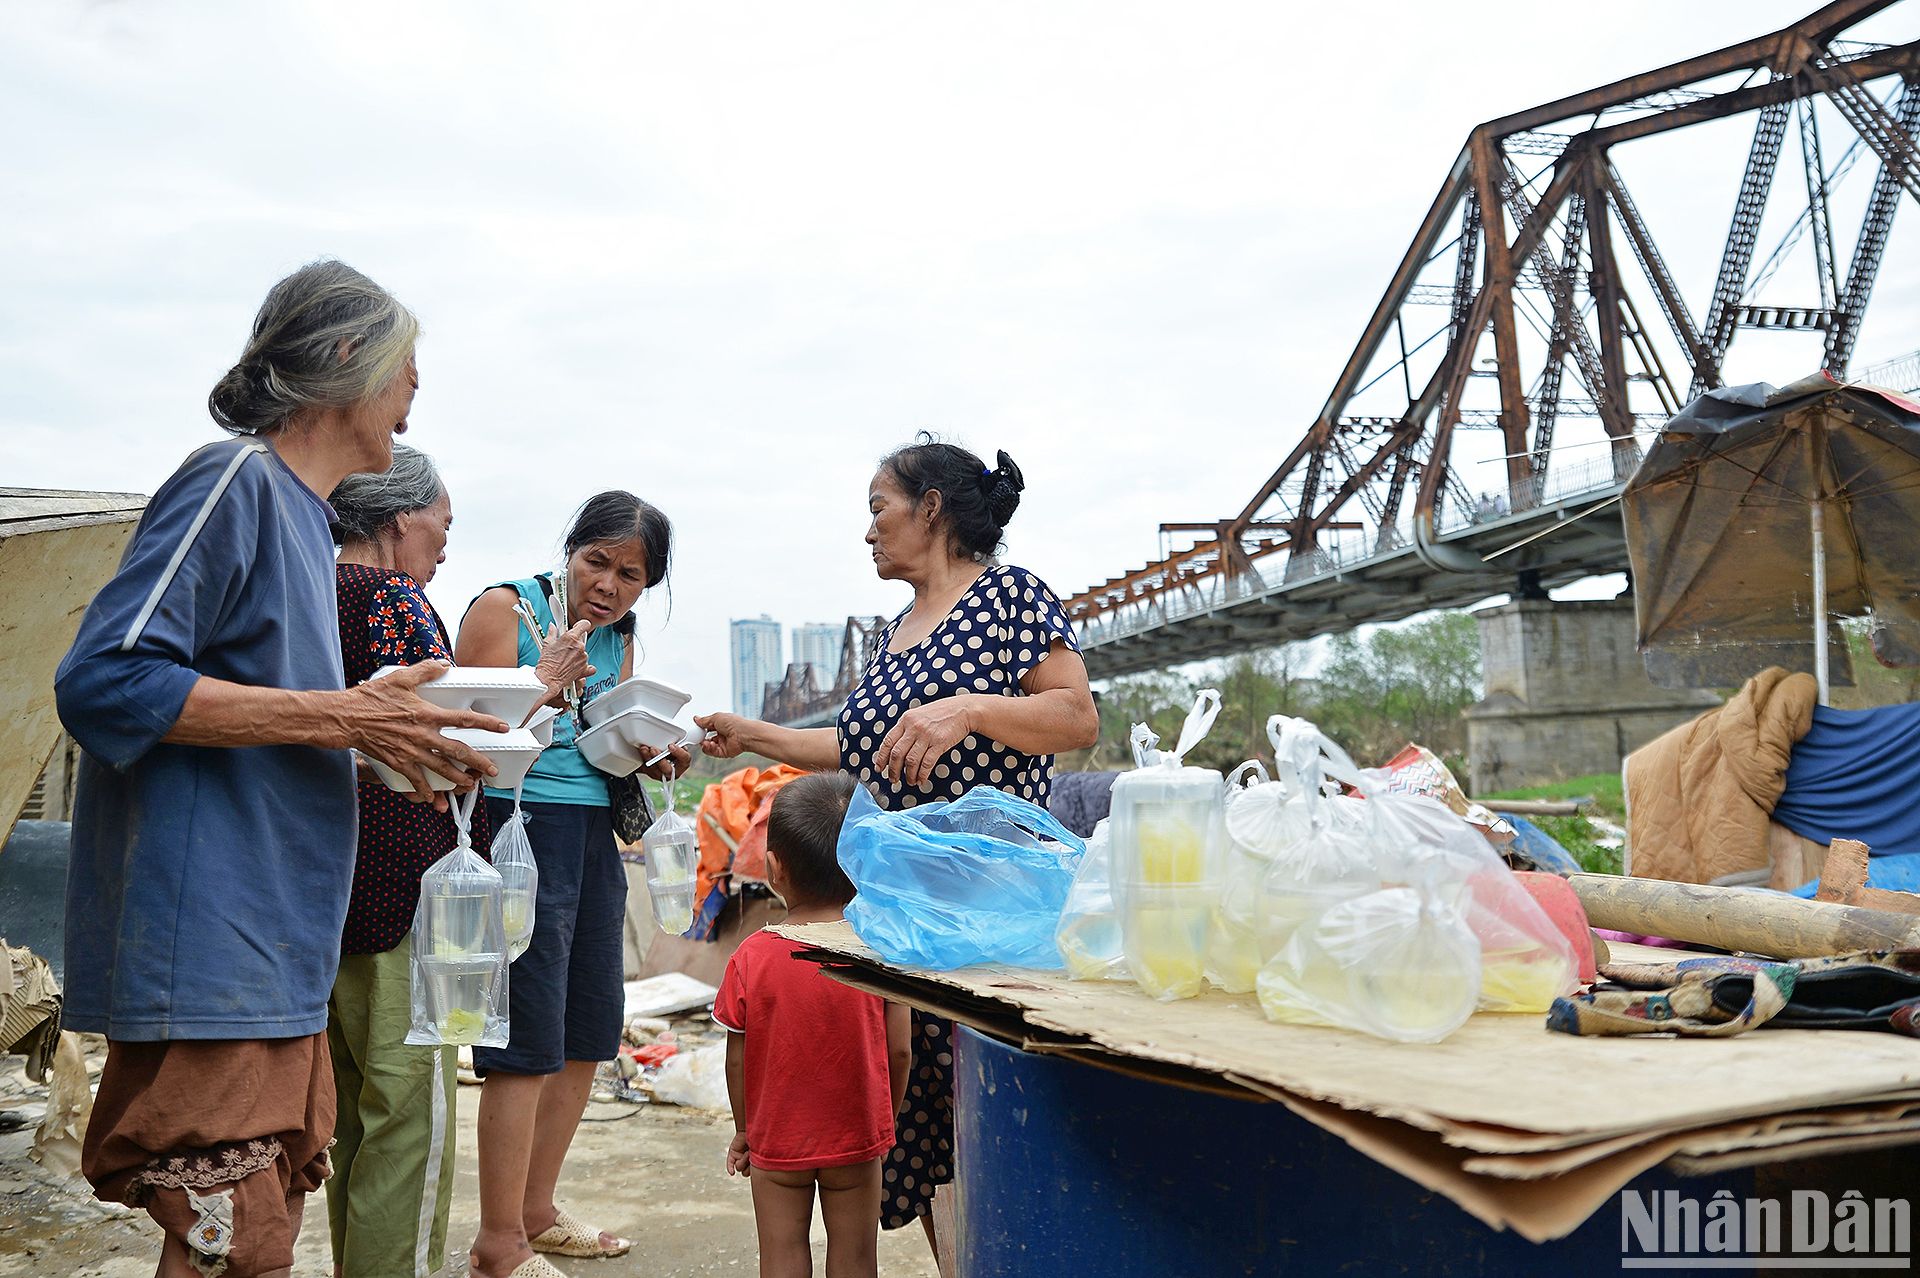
{"x": 1089, "y": 931}
{"x": 459, "y": 948}
{"x": 1525, "y": 960}
{"x": 982, "y": 879}
{"x": 512, "y": 857}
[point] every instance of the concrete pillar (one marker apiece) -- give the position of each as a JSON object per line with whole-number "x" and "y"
{"x": 1566, "y": 694}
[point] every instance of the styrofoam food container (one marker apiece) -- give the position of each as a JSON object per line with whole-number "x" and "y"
{"x": 541, "y": 725}
{"x": 636, "y": 693}
{"x": 511, "y": 692}
{"x": 512, "y": 752}
{"x": 621, "y": 744}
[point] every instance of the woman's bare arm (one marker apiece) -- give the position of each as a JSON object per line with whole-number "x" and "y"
{"x": 383, "y": 719}
{"x": 728, "y": 735}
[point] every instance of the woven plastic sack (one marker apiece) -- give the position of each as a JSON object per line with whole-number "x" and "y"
{"x": 982, "y": 879}
{"x": 459, "y": 960}
{"x": 1089, "y": 931}
{"x": 512, "y": 857}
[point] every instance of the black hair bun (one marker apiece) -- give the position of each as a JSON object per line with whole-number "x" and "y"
{"x": 1004, "y": 485}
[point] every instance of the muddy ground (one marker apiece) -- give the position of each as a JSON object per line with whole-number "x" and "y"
{"x": 648, "y": 1172}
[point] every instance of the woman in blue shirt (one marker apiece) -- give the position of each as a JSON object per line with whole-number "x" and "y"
{"x": 213, "y": 832}
{"x": 565, "y": 995}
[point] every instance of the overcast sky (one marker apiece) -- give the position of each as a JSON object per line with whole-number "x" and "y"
{"x": 728, "y": 255}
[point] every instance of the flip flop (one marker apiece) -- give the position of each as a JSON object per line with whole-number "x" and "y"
{"x": 568, "y": 1237}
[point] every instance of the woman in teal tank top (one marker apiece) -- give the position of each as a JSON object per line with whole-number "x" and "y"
{"x": 564, "y": 994}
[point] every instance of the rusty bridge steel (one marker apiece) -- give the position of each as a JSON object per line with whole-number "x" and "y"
{"x": 1523, "y": 244}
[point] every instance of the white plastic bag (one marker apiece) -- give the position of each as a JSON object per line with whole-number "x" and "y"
{"x": 512, "y": 857}
{"x": 1089, "y": 932}
{"x": 672, "y": 852}
{"x": 1233, "y": 954}
{"x": 697, "y": 1079}
{"x": 1399, "y": 963}
{"x": 1167, "y": 844}
{"x": 1525, "y": 960}
{"x": 459, "y": 960}
{"x": 1318, "y": 842}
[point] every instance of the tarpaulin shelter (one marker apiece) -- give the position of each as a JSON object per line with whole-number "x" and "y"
{"x": 1759, "y": 515}
{"x": 731, "y": 825}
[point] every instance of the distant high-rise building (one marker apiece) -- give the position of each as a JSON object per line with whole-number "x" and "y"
{"x": 756, "y": 663}
{"x": 818, "y": 644}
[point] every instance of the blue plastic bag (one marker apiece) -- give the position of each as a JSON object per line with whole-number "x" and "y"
{"x": 948, "y": 885}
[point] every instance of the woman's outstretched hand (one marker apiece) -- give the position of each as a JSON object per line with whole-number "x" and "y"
{"x": 726, "y": 734}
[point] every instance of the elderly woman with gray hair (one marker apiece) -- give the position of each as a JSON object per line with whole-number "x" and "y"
{"x": 393, "y": 1152}
{"x": 214, "y": 822}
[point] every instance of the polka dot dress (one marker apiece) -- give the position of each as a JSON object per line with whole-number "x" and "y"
{"x": 385, "y": 620}
{"x": 1003, "y": 627}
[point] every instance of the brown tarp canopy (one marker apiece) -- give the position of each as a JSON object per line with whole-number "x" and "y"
{"x": 1718, "y": 530}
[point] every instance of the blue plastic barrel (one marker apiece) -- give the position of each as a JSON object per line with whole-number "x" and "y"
{"x": 1066, "y": 1170}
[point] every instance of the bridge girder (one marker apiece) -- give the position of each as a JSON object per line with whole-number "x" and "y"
{"x": 1531, "y": 272}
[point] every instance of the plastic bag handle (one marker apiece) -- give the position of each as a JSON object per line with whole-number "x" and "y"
{"x": 1206, "y": 708}
{"x": 1251, "y": 767}
{"x": 1143, "y": 740}
{"x": 462, "y": 806}
{"x": 667, "y": 787}
{"x": 1329, "y": 758}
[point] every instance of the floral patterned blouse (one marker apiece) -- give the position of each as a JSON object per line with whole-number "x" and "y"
{"x": 385, "y": 620}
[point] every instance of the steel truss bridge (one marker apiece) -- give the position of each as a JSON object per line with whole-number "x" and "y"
{"x": 1535, "y": 329}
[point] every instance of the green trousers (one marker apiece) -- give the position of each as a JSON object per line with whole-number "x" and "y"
{"x": 392, "y": 1184}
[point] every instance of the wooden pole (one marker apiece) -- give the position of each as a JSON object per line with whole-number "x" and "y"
{"x": 1745, "y": 919}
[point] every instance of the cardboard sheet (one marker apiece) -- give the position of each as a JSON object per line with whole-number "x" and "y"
{"x": 1521, "y": 1127}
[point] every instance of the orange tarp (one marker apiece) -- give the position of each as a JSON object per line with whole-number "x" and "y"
{"x": 738, "y": 804}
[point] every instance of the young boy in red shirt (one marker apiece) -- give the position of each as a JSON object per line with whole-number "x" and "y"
{"x": 815, "y": 1069}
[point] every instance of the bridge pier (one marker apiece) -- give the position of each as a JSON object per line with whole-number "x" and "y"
{"x": 1566, "y": 694}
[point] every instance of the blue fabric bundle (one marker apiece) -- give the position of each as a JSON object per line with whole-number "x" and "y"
{"x": 1855, "y": 776}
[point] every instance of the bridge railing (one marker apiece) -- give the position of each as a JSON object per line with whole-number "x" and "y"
{"x": 1560, "y": 483}
{"x": 1342, "y": 551}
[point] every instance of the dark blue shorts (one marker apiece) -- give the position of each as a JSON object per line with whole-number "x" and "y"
{"x": 565, "y": 999}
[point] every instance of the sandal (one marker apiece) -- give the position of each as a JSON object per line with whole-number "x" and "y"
{"x": 532, "y": 1267}
{"x": 568, "y": 1237}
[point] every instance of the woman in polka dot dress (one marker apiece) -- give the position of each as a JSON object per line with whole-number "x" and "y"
{"x": 979, "y": 682}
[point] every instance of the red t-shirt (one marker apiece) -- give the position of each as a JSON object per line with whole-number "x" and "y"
{"x": 815, "y": 1071}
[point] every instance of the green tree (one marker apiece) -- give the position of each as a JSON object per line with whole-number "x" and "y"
{"x": 1407, "y": 683}
{"x": 1160, "y": 700}
{"x": 1253, "y": 686}
{"x": 1373, "y": 693}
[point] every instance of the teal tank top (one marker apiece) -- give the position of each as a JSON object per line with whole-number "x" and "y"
{"x": 562, "y": 774}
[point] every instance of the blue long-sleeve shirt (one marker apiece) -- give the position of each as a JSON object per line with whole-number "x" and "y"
{"x": 207, "y": 885}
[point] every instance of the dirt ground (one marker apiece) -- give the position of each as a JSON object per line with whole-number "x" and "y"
{"x": 652, "y": 1173}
